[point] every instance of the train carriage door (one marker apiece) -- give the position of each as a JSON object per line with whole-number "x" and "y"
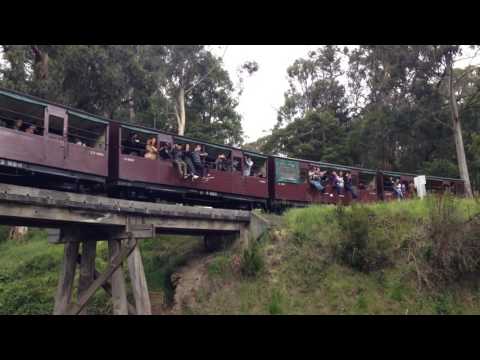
{"x": 56, "y": 125}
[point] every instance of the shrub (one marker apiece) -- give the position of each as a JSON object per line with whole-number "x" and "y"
{"x": 220, "y": 266}
{"x": 453, "y": 248}
{"x": 3, "y": 233}
{"x": 446, "y": 249}
{"x": 360, "y": 246}
{"x": 252, "y": 261}
{"x": 275, "y": 305}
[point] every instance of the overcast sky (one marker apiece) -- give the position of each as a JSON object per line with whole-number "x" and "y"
{"x": 264, "y": 90}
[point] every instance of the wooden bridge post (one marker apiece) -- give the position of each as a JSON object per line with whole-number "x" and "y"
{"x": 119, "y": 290}
{"x": 139, "y": 283}
{"x": 67, "y": 275}
{"x": 87, "y": 269}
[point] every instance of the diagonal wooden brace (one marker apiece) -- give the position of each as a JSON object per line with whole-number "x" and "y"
{"x": 75, "y": 309}
{"x": 107, "y": 286}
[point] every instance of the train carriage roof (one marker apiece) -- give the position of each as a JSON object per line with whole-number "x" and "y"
{"x": 38, "y": 101}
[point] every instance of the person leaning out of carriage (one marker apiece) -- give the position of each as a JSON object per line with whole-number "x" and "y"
{"x": 247, "y": 166}
{"x": 177, "y": 159}
{"x": 315, "y": 177}
{"x": 198, "y": 163}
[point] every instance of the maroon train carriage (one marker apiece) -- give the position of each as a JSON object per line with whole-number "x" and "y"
{"x": 290, "y": 186}
{"x": 48, "y": 145}
{"x": 134, "y": 176}
{"x": 434, "y": 184}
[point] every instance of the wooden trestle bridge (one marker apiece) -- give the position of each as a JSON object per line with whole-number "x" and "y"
{"x": 73, "y": 219}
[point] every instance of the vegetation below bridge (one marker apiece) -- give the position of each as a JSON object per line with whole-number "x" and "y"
{"x": 409, "y": 257}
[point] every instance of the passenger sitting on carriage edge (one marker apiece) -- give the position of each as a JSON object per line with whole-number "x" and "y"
{"x": 340, "y": 182}
{"x": 197, "y": 161}
{"x": 334, "y": 180}
{"x": 348, "y": 184}
{"x": 398, "y": 190}
{"x": 177, "y": 158}
{"x": 187, "y": 157}
{"x": 315, "y": 179}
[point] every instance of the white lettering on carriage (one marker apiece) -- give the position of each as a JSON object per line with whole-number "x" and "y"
{"x": 11, "y": 163}
{"x": 129, "y": 159}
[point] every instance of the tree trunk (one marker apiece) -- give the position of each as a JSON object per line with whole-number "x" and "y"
{"x": 17, "y": 233}
{"x": 40, "y": 66}
{"x": 131, "y": 106}
{"x": 457, "y": 134}
{"x": 180, "y": 111}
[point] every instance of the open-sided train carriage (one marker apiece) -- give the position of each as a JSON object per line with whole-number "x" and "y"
{"x": 48, "y": 145}
{"x": 133, "y": 175}
{"x": 290, "y": 186}
{"x": 44, "y": 144}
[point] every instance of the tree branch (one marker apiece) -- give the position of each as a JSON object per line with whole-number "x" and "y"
{"x": 206, "y": 75}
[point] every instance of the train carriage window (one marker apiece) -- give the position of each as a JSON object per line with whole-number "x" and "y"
{"x": 237, "y": 164}
{"x": 21, "y": 115}
{"x": 303, "y": 175}
{"x": 367, "y": 182}
{"x": 85, "y": 132}
{"x": 259, "y": 166}
{"x": 134, "y": 141}
{"x": 55, "y": 125}
{"x": 218, "y": 158}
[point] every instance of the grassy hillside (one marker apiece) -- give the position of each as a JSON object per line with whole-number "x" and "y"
{"x": 411, "y": 257}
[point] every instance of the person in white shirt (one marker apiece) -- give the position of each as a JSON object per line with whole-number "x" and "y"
{"x": 340, "y": 182}
{"x": 398, "y": 189}
{"x": 247, "y": 166}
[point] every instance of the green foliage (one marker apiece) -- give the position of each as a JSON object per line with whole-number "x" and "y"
{"x": 275, "y": 305}
{"x": 450, "y": 249}
{"x": 162, "y": 256}
{"x": 302, "y": 275}
{"x": 358, "y": 246}
{"x": 3, "y": 233}
{"x": 391, "y": 114}
{"x": 112, "y": 80}
{"x": 220, "y": 266}
{"x": 252, "y": 261}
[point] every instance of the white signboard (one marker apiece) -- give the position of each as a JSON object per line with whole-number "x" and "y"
{"x": 420, "y": 182}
